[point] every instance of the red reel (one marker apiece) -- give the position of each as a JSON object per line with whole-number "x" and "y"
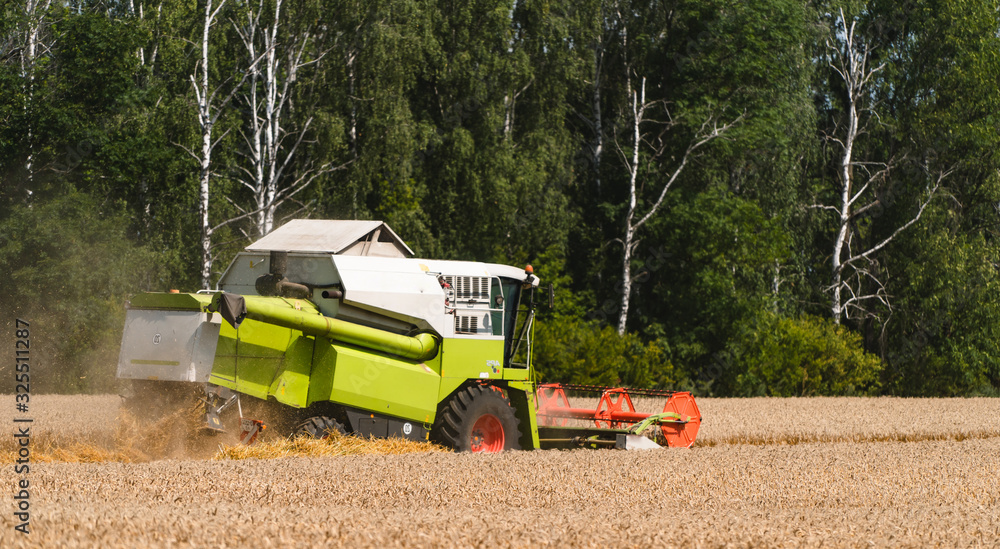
{"x": 551, "y": 397}
{"x": 682, "y": 435}
{"x": 613, "y": 401}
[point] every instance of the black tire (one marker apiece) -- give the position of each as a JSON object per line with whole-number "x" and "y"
{"x": 319, "y": 427}
{"x": 478, "y": 418}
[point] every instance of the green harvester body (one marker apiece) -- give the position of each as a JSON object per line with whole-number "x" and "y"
{"x": 376, "y": 346}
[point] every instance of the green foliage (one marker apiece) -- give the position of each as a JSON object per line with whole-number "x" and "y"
{"x": 808, "y": 356}
{"x": 719, "y": 255}
{"x": 472, "y": 128}
{"x": 569, "y": 350}
{"x": 947, "y": 337}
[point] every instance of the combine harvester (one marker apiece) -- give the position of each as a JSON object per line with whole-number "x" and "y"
{"x": 332, "y": 322}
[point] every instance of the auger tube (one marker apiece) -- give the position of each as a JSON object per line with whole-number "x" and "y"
{"x": 278, "y": 311}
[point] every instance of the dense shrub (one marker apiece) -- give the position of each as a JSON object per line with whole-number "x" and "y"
{"x": 569, "y": 350}
{"x": 808, "y": 356}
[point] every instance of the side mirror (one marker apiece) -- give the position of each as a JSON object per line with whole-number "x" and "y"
{"x": 552, "y": 297}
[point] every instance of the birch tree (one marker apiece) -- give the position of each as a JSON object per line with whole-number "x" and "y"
{"x": 596, "y": 25}
{"x": 209, "y": 109}
{"x": 272, "y": 143}
{"x": 138, "y": 12}
{"x": 709, "y": 130}
{"x": 655, "y": 145}
{"x": 35, "y": 12}
{"x": 207, "y": 116}
{"x": 861, "y": 182}
{"x": 597, "y": 144}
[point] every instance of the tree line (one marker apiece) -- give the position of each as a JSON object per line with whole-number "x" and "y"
{"x": 780, "y": 198}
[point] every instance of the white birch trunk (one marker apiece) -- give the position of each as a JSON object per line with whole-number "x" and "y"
{"x": 206, "y": 121}
{"x": 708, "y": 132}
{"x": 354, "y": 127}
{"x": 272, "y": 123}
{"x": 850, "y": 61}
{"x": 273, "y": 73}
{"x": 141, "y": 52}
{"x": 35, "y": 17}
{"x": 156, "y": 42}
{"x": 598, "y": 145}
{"x": 638, "y": 109}
{"x": 845, "y": 206}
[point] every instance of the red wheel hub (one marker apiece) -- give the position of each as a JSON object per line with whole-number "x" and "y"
{"x": 487, "y": 434}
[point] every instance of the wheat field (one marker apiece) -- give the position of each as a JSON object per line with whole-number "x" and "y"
{"x": 838, "y": 472}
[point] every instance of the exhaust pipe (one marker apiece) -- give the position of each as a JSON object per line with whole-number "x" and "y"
{"x": 274, "y": 283}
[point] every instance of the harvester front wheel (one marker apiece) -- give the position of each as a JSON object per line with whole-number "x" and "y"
{"x": 319, "y": 427}
{"x": 479, "y": 419}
